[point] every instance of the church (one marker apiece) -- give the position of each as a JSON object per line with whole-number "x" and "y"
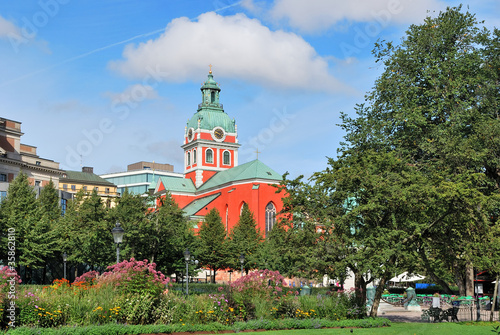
{"x": 212, "y": 177}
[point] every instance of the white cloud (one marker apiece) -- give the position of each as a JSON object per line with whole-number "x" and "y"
{"x": 8, "y": 28}
{"x": 237, "y": 46}
{"x": 317, "y": 15}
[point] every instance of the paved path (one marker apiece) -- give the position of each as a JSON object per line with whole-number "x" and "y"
{"x": 398, "y": 314}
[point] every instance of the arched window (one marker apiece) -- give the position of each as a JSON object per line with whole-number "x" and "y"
{"x": 209, "y": 156}
{"x": 270, "y": 217}
{"x": 194, "y": 156}
{"x": 189, "y": 159}
{"x": 212, "y": 97}
{"x": 241, "y": 207}
{"x": 227, "y": 158}
{"x": 227, "y": 220}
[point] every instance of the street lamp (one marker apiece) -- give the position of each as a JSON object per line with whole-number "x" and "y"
{"x": 65, "y": 259}
{"x": 187, "y": 256}
{"x": 118, "y": 233}
{"x": 242, "y": 260}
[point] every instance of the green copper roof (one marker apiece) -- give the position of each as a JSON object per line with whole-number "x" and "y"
{"x": 209, "y": 119}
{"x": 85, "y": 177}
{"x": 195, "y": 206}
{"x": 251, "y": 170}
{"x": 210, "y": 112}
{"x": 178, "y": 184}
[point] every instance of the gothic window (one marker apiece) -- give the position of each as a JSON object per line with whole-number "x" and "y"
{"x": 189, "y": 158}
{"x": 194, "y": 156}
{"x": 227, "y": 158}
{"x": 227, "y": 220}
{"x": 209, "y": 156}
{"x": 241, "y": 208}
{"x": 270, "y": 217}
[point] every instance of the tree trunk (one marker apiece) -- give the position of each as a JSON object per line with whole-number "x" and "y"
{"x": 44, "y": 273}
{"x": 458, "y": 272}
{"x": 431, "y": 273}
{"x": 213, "y": 278}
{"x": 469, "y": 280}
{"x": 360, "y": 285}
{"x": 494, "y": 303}
{"x": 378, "y": 296}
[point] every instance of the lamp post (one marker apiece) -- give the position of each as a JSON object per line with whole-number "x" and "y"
{"x": 242, "y": 260}
{"x": 118, "y": 233}
{"x": 65, "y": 259}
{"x": 187, "y": 256}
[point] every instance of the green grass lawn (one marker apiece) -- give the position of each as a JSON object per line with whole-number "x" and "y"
{"x": 397, "y": 328}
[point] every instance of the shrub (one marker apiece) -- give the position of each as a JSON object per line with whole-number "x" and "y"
{"x": 135, "y": 277}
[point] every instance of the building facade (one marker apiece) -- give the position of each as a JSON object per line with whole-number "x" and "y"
{"x": 212, "y": 176}
{"x": 139, "y": 176}
{"x": 16, "y": 157}
{"x": 74, "y": 181}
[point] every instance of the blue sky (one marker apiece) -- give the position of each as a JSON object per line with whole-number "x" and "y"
{"x": 111, "y": 83}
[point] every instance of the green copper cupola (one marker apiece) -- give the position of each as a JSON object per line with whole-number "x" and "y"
{"x": 210, "y": 112}
{"x": 210, "y": 93}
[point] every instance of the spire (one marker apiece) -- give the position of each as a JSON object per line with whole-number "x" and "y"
{"x": 210, "y": 94}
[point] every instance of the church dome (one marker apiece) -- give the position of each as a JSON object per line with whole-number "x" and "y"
{"x": 210, "y": 112}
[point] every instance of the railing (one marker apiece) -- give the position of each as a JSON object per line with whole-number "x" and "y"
{"x": 211, "y": 105}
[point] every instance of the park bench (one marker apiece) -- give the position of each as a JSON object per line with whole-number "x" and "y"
{"x": 436, "y": 314}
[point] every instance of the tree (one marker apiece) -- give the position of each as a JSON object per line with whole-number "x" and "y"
{"x": 439, "y": 112}
{"x": 49, "y": 214}
{"x": 245, "y": 238}
{"x": 140, "y": 235}
{"x": 415, "y": 182}
{"x": 211, "y": 247}
{"x": 20, "y": 212}
{"x": 174, "y": 234}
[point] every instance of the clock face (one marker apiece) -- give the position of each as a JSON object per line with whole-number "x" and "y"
{"x": 190, "y": 134}
{"x": 219, "y": 133}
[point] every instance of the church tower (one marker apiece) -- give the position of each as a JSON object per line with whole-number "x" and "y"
{"x": 210, "y": 138}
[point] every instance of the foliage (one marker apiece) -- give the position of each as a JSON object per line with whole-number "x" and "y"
{"x": 173, "y": 234}
{"x": 211, "y": 248}
{"x": 245, "y": 238}
{"x": 135, "y": 277}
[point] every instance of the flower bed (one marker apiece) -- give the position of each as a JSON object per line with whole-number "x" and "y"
{"x": 134, "y": 293}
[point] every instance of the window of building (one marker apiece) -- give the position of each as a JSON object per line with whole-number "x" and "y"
{"x": 270, "y": 217}
{"x": 38, "y": 183}
{"x": 3, "y": 194}
{"x": 209, "y": 156}
{"x": 73, "y": 187}
{"x": 64, "y": 204}
{"x": 227, "y": 158}
{"x": 107, "y": 190}
{"x": 189, "y": 158}
{"x": 212, "y": 97}
{"x": 38, "y": 162}
{"x": 241, "y": 208}
{"x": 85, "y": 188}
{"x": 3, "y": 177}
{"x": 96, "y": 189}
{"x": 194, "y": 156}
{"x": 65, "y": 187}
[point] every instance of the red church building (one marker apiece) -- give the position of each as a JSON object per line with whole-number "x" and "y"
{"x": 212, "y": 177}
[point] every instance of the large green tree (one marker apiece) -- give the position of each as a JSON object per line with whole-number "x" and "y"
{"x": 245, "y": 238}
{"x": 211, "y": 247}
{"x": 174, "y": 233}
{"x": 416, "y": 180}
